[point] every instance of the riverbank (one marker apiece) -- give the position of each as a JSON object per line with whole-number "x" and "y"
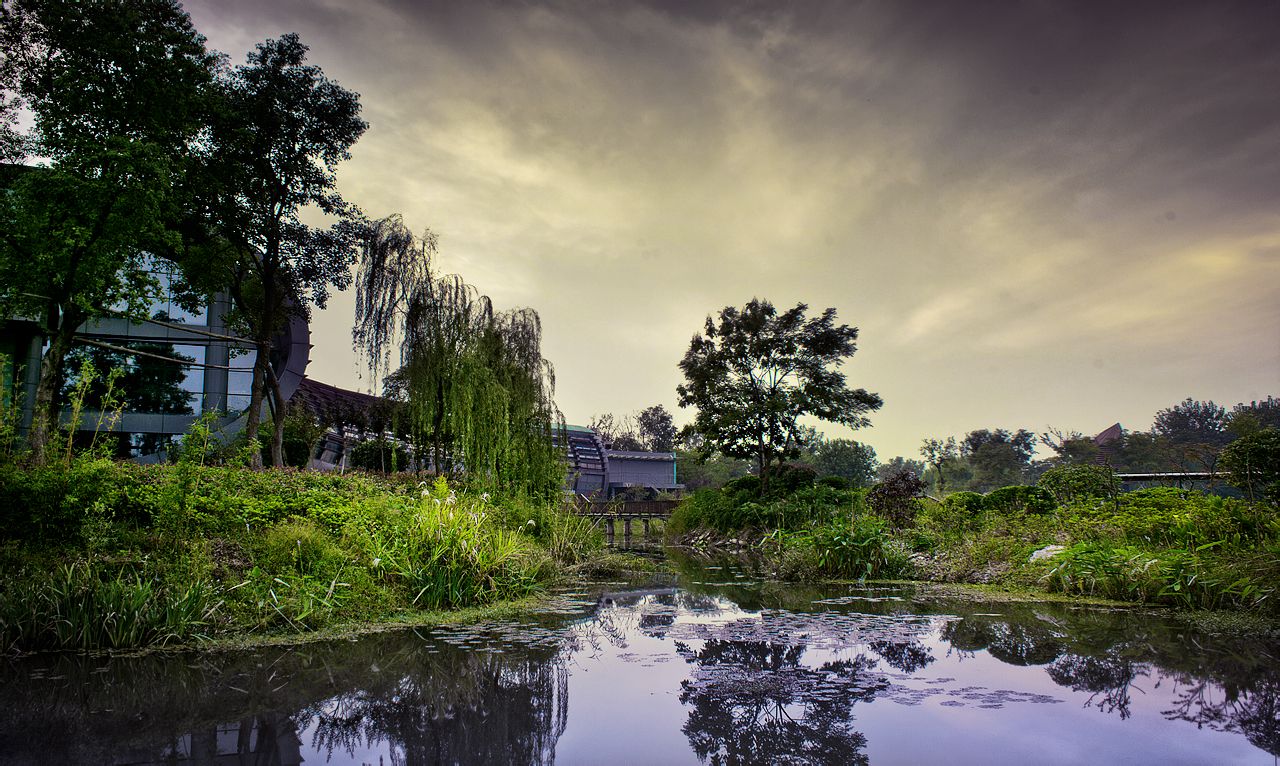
{"x": 1162, "y": 546}
{"x": 106, "y": 555}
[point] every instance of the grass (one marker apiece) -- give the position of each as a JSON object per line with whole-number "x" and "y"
{"x": 103, "y": 555}
{"x": 1160, "y": 546}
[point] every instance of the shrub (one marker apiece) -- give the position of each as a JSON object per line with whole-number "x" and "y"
{"x": 1072, "y": 483}
{"x": 81, "y": 607}
{"x": 788, "y": 478}
{"x": 859, "y": 548}
{"x": 1019, "y": 497}
{"x": 834, "y": 482}
{"x": 1253, "y": 462}
{"x": 381, "y": 455}
{"x": 895, "y": 497}
{"x": 966, "y": 504}
{"x": 300, "y": 546}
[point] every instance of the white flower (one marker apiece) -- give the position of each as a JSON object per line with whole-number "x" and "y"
{"x": 531, "y": 523}
{"x": 377, "y": 561}
{"x": 485, "y": 497}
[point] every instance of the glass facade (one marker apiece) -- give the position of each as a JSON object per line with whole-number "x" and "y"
{"x": 240, "y": 379}
{"x": 162, "y": 378}
{"x": 167, "y": 303}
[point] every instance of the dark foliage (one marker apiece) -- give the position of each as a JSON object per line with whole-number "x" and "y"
{"x": 895, "y": 497}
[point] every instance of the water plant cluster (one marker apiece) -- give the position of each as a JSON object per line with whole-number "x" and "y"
{"x": 1072, "y": 533}
{"x": 101, "y": 554}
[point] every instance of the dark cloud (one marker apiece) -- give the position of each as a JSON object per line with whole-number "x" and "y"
{"x": 997, "y": 193}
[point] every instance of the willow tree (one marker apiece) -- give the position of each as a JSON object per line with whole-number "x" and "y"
{"x": 479, "y": 394}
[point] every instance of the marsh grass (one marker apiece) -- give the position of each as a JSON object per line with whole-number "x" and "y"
{"x": 82, "y": 607}
{"x": 108, "y": 555}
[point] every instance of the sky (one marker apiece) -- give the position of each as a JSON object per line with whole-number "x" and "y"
{"x": 1038, "y": 214}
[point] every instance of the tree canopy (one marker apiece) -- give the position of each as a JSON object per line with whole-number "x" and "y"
{"x": 117, "y": 91}
{"x": 280, "y": 132}
{"x": 755, "y": 371}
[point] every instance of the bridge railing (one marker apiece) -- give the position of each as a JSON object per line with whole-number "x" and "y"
{"x": 625, "y": 508}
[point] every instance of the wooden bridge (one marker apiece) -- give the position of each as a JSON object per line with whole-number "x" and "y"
{"x": 607, "y": 513}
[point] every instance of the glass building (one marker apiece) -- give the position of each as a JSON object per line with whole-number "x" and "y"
{"x": 164, "y": 372}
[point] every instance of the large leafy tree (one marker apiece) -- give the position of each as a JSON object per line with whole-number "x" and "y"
{"x": 116, "y": 91}
{"x": 657, "y": 429}
{"x": 277, "y": 140}
{"x": 1195, "y": 433}
{"x": 997, "y": 458}
{"x": 846, "y": 458}
{"x": 755, "y": 371}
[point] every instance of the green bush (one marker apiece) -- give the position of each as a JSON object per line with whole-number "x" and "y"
{"x": 965, "y": 504}
{"x": 1253, "y": 463}
{"x": 1074, "y": 483}
{"x": 381, "y": 455}
{"x": 834, "y": 482}
{"x": 1019, "y": 498}
{"x": 788, "y": 478}
{"x": 860, "y": 548}
{"x": 83, "y": 607}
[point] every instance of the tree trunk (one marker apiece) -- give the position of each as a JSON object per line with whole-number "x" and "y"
{"x": 46, "y": 410}
{"x": 277, "y": 433}
{"x": 254, "y": 415}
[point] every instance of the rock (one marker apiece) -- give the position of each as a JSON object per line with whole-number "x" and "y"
{"x": 1047, "y": 552}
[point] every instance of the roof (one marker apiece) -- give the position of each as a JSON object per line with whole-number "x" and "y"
{"x": 340, "y": 406}
{"x": 620, "y": 454}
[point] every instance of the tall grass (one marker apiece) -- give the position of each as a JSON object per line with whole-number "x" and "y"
{"x": 442, "y": 550}
{"x": 80, "y": 608}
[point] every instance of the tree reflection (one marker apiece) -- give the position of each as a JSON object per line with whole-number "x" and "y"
{"x": 1227, "y": 684}
{"x": 481, "y": 708}
{"x": 907, "y": 656}
{"x": 418, "y": 701}
{"x": 1109, "y": 679}
{"x": 1012, "y": 642}
{"x": 755, "y": 702}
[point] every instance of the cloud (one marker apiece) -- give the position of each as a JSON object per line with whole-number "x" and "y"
{"x": 995, "y": 193}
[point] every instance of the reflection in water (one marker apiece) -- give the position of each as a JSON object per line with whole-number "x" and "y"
{"x": 418, "y": 701}
{"x": 489, "y": 708}
{"x": 754, "y": 702}
{"x": 737, "y": 672}
{"x": 1220, "y": 684}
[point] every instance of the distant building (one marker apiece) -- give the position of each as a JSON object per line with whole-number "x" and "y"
{"x": 595, "y": 470}
{"x": 1109, "y": 444}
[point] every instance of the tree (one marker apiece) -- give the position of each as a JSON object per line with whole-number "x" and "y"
{"x": 1195, "y": 431}
{"x": 1070, "y": 447}
{"x": 697, "y": 470}
{"x": 997, "y": 458}
{"x": 939, "y": 455}
{"x": 657, "y": 429}
{"x": 896, "y": 465}
{"x": 282, "y": 129}
{"x": 847, "y": 459}
{"x": 1250, "y": 418}
{"x": 116, "y": 90}
{"x": 479, "y": 392}
{"x": 755, "y": 372}
{"x": 1253, "y": 462}
{"x": 617, "y": 432}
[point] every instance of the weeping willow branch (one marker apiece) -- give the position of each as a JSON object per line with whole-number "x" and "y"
{"x": 480, "y": 396}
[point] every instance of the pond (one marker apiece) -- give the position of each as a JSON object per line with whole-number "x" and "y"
{"x": 708, "y": 667}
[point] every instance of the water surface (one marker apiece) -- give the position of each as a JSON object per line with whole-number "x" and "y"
{"x": 711, "y": 667}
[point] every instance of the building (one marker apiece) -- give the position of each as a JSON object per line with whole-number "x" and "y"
{"x": 175, "y": 366}
{"x": 597, "y": 471}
